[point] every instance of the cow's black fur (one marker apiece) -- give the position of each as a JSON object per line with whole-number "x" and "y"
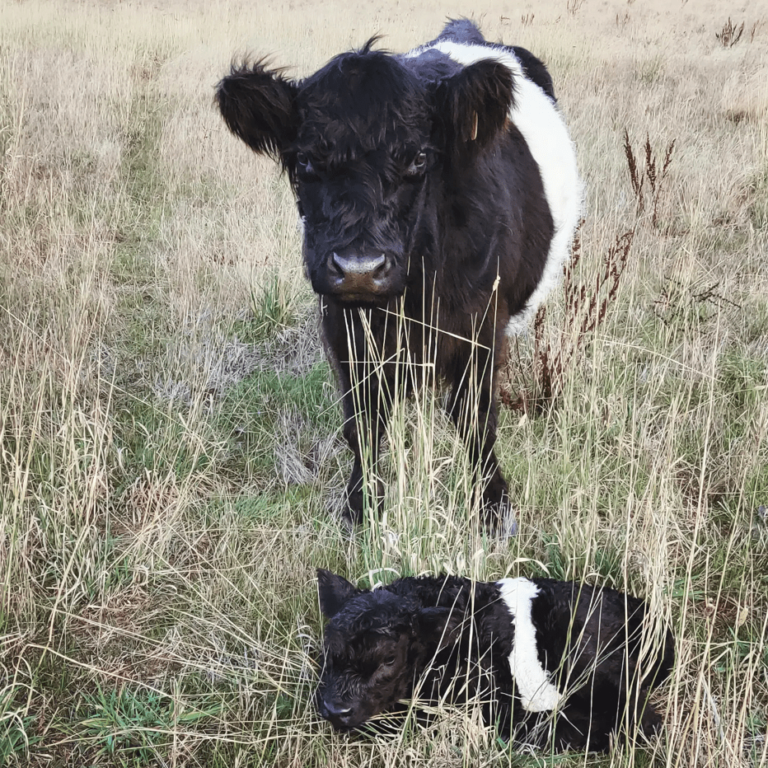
{"x": 447, "y": 639}
{"x": 420, "y": 199}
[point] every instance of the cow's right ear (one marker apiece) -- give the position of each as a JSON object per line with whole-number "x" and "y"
{"x": 333, "y": 591}
{"x": 472, "y": 106}
{"x": 259, "y": 106}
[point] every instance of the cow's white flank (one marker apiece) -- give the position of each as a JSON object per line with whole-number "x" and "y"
{"x": 536, "y": 692}
{"x": 538, "y": 120}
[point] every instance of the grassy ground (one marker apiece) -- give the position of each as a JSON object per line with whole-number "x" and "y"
{"x": 170, "y": 449}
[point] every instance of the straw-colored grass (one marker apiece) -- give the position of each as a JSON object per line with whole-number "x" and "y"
{"x": 171, "y": 464}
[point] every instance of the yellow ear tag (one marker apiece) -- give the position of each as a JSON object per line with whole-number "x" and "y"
{"x": 474, "y": 128}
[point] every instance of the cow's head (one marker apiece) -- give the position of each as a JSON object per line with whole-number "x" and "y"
{"x": 376, "y": 645}
{"x": 367, "y": 144}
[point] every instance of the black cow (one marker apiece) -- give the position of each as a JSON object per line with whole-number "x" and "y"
{"x": 552, "y": 663}
{"x": 438, "y": 187}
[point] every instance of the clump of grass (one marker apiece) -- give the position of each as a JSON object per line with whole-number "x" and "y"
{"x": 730, "y": 34}
{"x": 273, "y": 306}
{"x": 16, "y": 719}
{"x": 136, "y": 721}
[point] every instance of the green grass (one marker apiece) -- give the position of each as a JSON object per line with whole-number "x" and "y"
{"x": 134, "y": 723}
{"x": 16, "y": 721}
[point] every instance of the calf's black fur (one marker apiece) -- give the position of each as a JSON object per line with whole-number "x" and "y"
{"x": 448, "y": 639}
{"x": 426, "y": 194}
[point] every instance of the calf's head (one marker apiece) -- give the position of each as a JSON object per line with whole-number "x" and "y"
{"x": 366, "y": 142}
{"x": 376, "y": 645}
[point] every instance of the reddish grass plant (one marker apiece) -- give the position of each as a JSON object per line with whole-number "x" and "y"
{"x": 586, "y": 307}
{"x": 730, "y": 34}
{"x": 653, "y": 171}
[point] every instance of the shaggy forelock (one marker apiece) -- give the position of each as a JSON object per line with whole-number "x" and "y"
{"x": 360, "y": 102}
{"x": 368, "y": 616}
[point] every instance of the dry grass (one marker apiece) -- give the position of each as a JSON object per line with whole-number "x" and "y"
{"x": 169, "y": 433}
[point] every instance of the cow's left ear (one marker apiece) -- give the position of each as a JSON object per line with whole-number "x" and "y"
{"x": 472, "y": 106}
{"x": 259, "y": 106}
{"x": 333, "y": 591}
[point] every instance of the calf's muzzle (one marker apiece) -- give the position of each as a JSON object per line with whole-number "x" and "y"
{"x": 339, "y": 715}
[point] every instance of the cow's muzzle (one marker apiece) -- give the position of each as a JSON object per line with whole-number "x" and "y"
{"x": 357, "y": 276}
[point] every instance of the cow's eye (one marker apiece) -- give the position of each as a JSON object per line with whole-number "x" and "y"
{"x": 418, "y": 164}
{"x": 305, "y": 164}
{"x": 389, "y": 662}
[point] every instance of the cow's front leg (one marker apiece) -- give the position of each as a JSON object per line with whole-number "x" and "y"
{"x": 356, "y": 355}
{"x": 366, "y": 413}
{"x": 473, "y": 410}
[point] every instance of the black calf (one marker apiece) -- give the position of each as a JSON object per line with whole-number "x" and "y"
{"x": 553, "y": 663}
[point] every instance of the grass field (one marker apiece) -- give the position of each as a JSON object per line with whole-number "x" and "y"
{"x": 170, "y": 449}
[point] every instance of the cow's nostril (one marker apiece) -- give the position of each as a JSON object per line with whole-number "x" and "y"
{"x": 358, "y": 265}
{"x": 335, "y": 266}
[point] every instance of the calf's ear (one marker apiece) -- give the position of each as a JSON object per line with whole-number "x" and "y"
{"x": 259, "y": 107}
{"x": 333, "y": 591}
{"x": 472, "y": 106}
{"x": 440, "y": 624}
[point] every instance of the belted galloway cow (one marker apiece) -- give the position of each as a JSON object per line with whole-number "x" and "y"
{"x": 439, "y": 195}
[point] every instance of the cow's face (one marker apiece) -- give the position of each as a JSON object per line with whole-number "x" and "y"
{"x": 360, "y": 165}
{"x": 376, "y": 644}
{"x": 366, "y": 144}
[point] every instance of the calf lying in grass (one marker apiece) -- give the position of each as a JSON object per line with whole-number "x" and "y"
{"x": 550, "y": 662}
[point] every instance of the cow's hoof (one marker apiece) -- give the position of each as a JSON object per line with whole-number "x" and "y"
{"x": 357, "y": 504}
{"x": 351, "y": 515}
{"x": 507, "y": 524}
{"x": 500, "y": 520}
{"x": 508, "y": 527}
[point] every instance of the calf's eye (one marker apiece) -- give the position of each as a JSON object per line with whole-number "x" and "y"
{"x": 389, "y": 662}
